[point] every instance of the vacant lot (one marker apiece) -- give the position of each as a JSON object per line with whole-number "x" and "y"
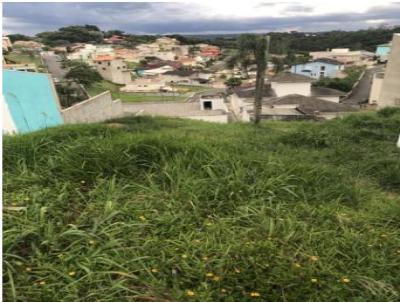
{"x": 165, "y": 210}
{"x": 131, "y": 96}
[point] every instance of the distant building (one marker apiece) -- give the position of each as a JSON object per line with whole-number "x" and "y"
{"x": 112, "y": 69}
{"x": 31, "y": 102}
{"x": 210, "y": 52}
{"x": 382, "y": 52}
{"x": 385, "y": 90}
{"x": 7, "y": 45}
{"x": 319, "y": 68}
{"x": 345, "y": 56}
{"x": 115, "y": 39}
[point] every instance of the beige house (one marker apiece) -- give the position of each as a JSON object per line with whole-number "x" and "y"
{"x": 344, "y": 55}
{"x": 112, "y": 69}
{"x": 7, "y": 45}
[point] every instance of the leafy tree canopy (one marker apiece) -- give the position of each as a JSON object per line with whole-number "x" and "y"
{"x": 18, "y": 37}
{"x": 83, "y": 74}
{"x": 233, "y": 82}
{"x": 72, "y": 34}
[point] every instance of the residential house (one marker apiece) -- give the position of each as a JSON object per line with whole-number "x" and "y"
{"x": 286, "y": 83}
{"x": 83, "y": 53}
{"x": 115, "y": 39}
{"x": 386, "y": 88}
{"x": 319, "y": 68}
{"x": 303, "y": 107}
{"x": 112, "y": 69}
{"x": 345, "y": 56}
{"x": 382, "y": 52}
{"x": 128, "y": 55}
{"x": 210, "y": 52}
{"x": 7, "y": 45}
{"x": 30, "y": 102}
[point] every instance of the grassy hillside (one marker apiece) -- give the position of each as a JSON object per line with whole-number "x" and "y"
{"x": 173, "y": 210}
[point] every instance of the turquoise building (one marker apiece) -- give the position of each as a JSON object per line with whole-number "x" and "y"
{"x": 31, "y": 102}
{"x": 320, "y": 68}
{"x": 382, "y": 51}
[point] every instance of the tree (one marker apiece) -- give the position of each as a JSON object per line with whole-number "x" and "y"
{"x": 233, "y": 82}
{"x": 83, "y": 74}
{"x": 113, "y": 32}
{"x": 278, "y": 64}
{"x": 255, "y": 46}
{"x": 19, "y": 37}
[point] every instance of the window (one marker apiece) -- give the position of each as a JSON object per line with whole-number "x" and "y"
{"x": 118, "y": 67}
{"x": 109, "y": 63}
{"x": 322, "y": 74}
{"x": 104, "y": 68}
{"x": 207, "y": 105}
{"x": 99, "y": 63}
{"x": 322, "y": 67}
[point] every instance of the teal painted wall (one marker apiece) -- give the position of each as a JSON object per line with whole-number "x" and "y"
{"x": 382, "y": 50}
{"x": 31, "y": 99}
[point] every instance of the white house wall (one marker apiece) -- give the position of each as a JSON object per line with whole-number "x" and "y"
{"x": 282, "y": 89}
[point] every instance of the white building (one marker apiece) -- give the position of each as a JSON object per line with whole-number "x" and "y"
{"x": 112, "y": 69}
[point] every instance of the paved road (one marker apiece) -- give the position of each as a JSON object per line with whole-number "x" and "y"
{"x": 53, "y": 64}
{"x": 360, "y": 93}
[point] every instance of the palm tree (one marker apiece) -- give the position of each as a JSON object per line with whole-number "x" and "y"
{"x": 254, "y": 47}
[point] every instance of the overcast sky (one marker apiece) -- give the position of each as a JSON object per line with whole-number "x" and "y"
{"x": 202, "y": 18}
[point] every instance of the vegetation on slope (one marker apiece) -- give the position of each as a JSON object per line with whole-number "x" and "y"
{"x": 104, "y": 85}
{"x": 148, "y": 209}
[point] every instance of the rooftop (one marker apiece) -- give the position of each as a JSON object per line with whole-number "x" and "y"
{"x": 249, "y": 92}
{"x": 325, "y": 91}
{"x": 100, "y": 58}
{"x": 288, "y": 77}
{"x": 329, "y": 61}
{"x": 309, "y": 105}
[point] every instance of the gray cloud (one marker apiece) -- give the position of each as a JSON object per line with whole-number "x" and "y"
{"x": 298, "y": 8}
{"x": 162, "y": 18}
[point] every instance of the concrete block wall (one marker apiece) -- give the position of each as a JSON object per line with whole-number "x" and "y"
{"x": 96, "y": 109}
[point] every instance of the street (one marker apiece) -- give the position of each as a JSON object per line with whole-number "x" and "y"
{"x": 53, "y": 64}
{"x": 360, "y": 93}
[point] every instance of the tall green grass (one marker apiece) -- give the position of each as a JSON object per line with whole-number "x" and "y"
{"x": 145, "y": 209}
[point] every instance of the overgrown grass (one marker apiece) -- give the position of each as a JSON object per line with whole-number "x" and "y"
{"x": 102, "y": 86}
{"x": 160, "y": 209}
{"x": 21, "y": 58}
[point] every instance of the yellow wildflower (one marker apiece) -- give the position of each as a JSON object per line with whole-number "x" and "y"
{"x": 190, "y": 293}
{"x": 209, "y": 224}
{"x": 383, "y": 235}
{"x": 255, "y": 294}
{"x": 71, "y": 274}
{"x": 345, "y": 280}
{"x": 205, "y": 258}
{"x": 314, "y": 280}
{"x": 42, "y": 282}
{"x": 297, "y": 265}
{"x": 154, "y": 270}
{"x": 314, "y": 258}
{"x": 142, "y": 218}
{"x": 237, "y": 271}
{"x": 196, "y": 241}
{"x": 223, "y": 290}
{"x": 83, "y": 182}
{"x": 216, "y": 278}
{"x": 28, "y": 269}
{"x": 209, "y": 275}
{"x": 184, "y": 256}
{"x": 92, "y": 242}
